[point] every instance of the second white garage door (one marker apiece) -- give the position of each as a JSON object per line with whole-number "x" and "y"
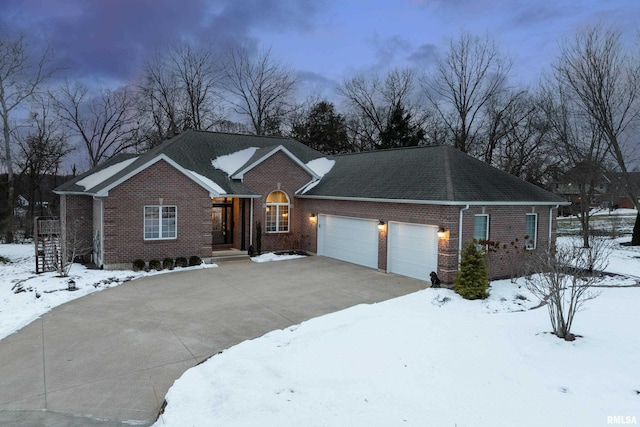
{"x": 412, "y": 250}
{"x": 348, "y": 239}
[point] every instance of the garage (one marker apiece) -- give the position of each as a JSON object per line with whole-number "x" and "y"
{"x": 348, "y": 239}
{"x": 412, "y": 249}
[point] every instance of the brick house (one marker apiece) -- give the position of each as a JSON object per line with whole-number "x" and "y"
{"x": 407, "y": 211}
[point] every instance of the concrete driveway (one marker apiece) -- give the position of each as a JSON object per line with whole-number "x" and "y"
{"x": 109, "y": 358}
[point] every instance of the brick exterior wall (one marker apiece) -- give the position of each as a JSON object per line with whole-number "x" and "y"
{"x": 278, "y": 172}
{"x": 123, "y": 212}
{"x": 505, "y": 225}
{"x": 507, "y": 229}
{"x": 77, "y": 217}
{"x": 124, "y": 217}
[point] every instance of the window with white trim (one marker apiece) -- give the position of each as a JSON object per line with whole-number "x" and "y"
{"x": 160, "y": 222}
{"x": 531, "y": 230}
{"x": 481, "y": 227}
{"x": 277, "y": 212}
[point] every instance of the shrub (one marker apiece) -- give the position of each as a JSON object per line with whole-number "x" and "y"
{"x": 181, "y": 262}
{"x": 472, "y": 281}
{"x": 194, "y": 260}
{"x": 167, "y": 263}
{"x": 139, "y": 265}
{"x": 155, "y": 264}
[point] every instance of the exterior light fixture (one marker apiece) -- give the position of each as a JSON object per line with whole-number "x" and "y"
{"x": 381, "y": 225}
{"x": 313, "y": 217}
{"x": 442, "y": 233}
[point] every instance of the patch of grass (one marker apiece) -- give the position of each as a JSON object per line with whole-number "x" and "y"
{"x": 5, "y": 260}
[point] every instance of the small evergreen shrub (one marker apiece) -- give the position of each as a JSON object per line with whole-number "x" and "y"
{"x": 181, "y": 262}
{"x": 472, "y": 281}
{"x": 139, "y": 265}
{"x": 155, "y": 264}
{"x": 194, "y": 260}
{"x": 167, "y": 263}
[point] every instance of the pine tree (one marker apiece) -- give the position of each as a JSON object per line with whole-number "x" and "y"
{"x": 472, "y": 281}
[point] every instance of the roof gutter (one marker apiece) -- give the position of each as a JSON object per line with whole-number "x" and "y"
{"x": 435, "y": 202}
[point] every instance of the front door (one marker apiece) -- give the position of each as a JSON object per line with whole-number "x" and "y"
{"x": 222, "y": 220}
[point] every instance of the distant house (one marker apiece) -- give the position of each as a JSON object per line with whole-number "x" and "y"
{"x": 606, "y": 189}
{"x": 406, "y": 211}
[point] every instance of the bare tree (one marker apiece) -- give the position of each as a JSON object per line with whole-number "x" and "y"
{"x": 373, "y": 102}
{"x": 563, "y": 278}
{"x": 465, "y": 80}
{"x": 604, "y": 82}
{"x": 258, "y": 87}
{"x": 107, "y": 123}
{"x": 180, "y": 90}
{"x": 580, "y": 144}
{"x": 22, "y": 72}
{"x": 42, "y": 149}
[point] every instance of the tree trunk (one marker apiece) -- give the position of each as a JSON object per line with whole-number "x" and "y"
{"x": 635, "y": 238}
{"x": 10, "y": 176}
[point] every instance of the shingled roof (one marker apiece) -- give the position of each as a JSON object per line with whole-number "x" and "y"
{"x": 193, "y": 152}
{"x": 425, "y": 174}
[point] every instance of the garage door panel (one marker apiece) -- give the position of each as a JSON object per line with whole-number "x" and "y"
{"x": 348, "y": 239}
{"x": 412, "y": 250}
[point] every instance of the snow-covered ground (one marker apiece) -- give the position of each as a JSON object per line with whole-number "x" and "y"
{"x": 431, "y": 359}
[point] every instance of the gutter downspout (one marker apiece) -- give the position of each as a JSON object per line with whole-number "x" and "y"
{"x": 460, "y": 234}
{"x": 551, "y": 222}
{"x": 99, "y": 261}
{"x": 251, "y": 223}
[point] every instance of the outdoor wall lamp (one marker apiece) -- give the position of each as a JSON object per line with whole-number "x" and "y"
{"x": 313, "y": 217}
{"x": 381, "y": 225}
{"x": 442, "y": 233}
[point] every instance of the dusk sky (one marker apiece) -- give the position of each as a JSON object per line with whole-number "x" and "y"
{"x": 104, "y": 41}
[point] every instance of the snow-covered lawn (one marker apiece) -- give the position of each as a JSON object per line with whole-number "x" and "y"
{"x": 431, "y": 359}
{"x": 25, "y": 295}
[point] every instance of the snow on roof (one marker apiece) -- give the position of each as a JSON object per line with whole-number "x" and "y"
{"x": 208, "y": 182}
{"x": 104, "y": 174}
{"x": 321, "y": 166}
{"x": 234, "y": 161}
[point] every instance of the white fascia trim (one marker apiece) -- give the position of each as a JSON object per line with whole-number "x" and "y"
{"x": 433, "y": 202}
{"x": 185, "y": 172}
{"x": 73, "y": 193}
{"x": 240, "y": 174}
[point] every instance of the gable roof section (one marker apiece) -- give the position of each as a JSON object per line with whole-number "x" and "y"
{"x": 263, "y": 154}
{"x": 425, "y": 175}
{"x": 192, "y": 152}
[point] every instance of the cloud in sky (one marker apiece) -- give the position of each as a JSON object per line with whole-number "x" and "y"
{"x": 106, "y": 40}
{"x": 110, "y": 37}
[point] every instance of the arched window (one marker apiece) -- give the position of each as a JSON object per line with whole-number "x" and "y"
{"x": 277, "y": 212}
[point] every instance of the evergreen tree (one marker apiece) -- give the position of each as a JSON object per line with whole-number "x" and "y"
{"x": 472, "y": 281}
{"x": 323, "y": 129}
{"x": 400, "y": 131}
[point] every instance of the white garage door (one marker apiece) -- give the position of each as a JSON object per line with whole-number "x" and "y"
{"x": 412, "y": 250}
{"x": 348, "y": 239}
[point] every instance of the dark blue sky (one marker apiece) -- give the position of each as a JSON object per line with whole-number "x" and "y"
{"x": 104, "y": 41}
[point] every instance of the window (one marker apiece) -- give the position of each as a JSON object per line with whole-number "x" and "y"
{"x": 160, "y": 222}
{"x": 531, "y": 230}
{"x": 481, "y": 229}
{"x": 277, "y": 212}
